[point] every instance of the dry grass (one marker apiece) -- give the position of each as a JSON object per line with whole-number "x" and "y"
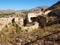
{"x": 14, "y": 34}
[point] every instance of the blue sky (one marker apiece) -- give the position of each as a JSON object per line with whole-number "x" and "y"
{"x": 24, "y": 4}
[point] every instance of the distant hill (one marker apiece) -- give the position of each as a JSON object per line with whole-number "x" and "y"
{"x": 45, "y": 7}
{"x": 37, "y": 9}
{"x": 7, "y": 11}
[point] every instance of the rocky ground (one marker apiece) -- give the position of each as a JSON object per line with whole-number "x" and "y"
{"x": 15, "y": 35}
